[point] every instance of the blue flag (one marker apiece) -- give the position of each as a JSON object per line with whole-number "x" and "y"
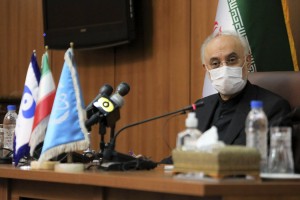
{"x": 26, "y": 111}
{"x": 66, "y": 131}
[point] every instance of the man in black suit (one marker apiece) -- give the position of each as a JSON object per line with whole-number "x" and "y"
{"x": 226, "y": 58}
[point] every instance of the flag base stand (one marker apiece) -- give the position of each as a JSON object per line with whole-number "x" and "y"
{"x": 69, "y": 167}
{"x": 46, "y": 165}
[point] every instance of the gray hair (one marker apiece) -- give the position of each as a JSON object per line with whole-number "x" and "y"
{"x": 234, "y": 34}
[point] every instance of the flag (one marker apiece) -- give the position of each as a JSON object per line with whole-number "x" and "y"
{"x": 43, "y": 109}
{"x": 26, "y": 110}
{"x": 66, "y": 131}
{"x": 266, "y": 26}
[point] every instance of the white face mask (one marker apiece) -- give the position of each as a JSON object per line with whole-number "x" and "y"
{"x": 227, "y": 80}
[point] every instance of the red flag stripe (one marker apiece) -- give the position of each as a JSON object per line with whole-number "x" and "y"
{"x": 43, "y": 109}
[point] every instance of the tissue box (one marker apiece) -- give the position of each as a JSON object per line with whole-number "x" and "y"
{"x": 219, "y": 162}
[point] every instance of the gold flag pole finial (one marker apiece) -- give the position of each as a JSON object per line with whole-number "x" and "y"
{"x": 72, "y": 45}
{"x": 46, "y": 48}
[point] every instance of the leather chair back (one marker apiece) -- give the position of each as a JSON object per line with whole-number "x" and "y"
{"x": 286, "y": 84}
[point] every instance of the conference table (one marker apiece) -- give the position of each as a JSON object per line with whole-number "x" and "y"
{"x": 159, "y": 183}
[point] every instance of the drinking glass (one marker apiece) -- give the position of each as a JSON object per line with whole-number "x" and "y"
{"x": 280, "y": 154}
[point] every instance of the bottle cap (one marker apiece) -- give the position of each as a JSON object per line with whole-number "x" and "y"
{"x": 191, "y": 120}
{"x": 11, "y": 107}
{"x": 256, "y": 104}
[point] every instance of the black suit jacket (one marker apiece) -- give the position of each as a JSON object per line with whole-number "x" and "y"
{"x": 273, "y": 105}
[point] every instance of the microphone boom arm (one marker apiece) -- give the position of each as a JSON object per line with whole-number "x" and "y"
{"x": 110, "y": 154}
{"x": 182, "y": 111}
{"x": 148, "y": 120}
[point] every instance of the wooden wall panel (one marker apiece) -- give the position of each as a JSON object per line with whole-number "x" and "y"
{"x": 4, "y": 14}
{"x": 157, "y": 66}
{"x": 21, "y": 33}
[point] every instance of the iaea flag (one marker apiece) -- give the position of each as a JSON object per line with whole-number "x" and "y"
{"x": 44, "y": 105}
{"x": 27, "y": 110}
{"x": 66, "y": 131}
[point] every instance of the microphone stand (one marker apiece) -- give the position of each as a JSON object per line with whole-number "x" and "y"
{"x": 102, "y": 132}
{"x": 93, "y": 119}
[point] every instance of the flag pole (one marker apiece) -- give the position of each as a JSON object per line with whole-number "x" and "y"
{"x": 70, "y": 154}
{"x": 72, "y": 45}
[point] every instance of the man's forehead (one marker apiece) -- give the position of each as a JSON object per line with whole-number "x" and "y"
{"x": 222, "y": 46}
{"x": 224, "y": 55}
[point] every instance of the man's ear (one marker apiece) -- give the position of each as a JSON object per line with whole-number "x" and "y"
{"x": 248, "y": 59}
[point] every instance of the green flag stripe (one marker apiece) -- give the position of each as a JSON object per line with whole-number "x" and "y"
{"x": 267, "y": 35}
{"x": 239, "y": 26}
{"x": 45, "y": 66}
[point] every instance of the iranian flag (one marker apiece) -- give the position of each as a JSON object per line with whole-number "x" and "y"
{"x": 266, "y": 26}
{"x": 43, "y": 109}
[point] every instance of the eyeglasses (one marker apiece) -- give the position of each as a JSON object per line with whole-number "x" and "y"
{"x": 231, "y": 61}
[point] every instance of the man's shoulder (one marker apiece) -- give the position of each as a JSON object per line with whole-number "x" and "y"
{"x": 271, "y": 100}
{"x": 262, "y": 92}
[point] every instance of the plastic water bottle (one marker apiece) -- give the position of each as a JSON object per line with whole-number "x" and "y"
{"x": 257, "y": 131}
{"x": 9, "y": 124}
{"x": 186, "y": 140}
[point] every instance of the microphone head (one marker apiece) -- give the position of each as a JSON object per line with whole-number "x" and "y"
{"x": 198, "y": 104}
{"x": 194, "y": 106}
{"x": 117, "y": 99}
{"x": 106, "y": 90}
{"x": 123, "y": 89}
{"x": 107, "y": 104}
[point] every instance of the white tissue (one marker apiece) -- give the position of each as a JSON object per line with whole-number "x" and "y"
{"x": 209, "y": 140}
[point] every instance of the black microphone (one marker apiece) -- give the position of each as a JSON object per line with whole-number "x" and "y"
{"x": 122, "y": 90}
{"x": 106, "y": 90}
{"x": 110, "y": 106}
{"x": 109, "y": 153}
{"x": 106, "y": 107}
